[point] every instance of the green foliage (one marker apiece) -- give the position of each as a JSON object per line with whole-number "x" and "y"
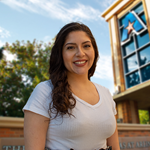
{"x": 144, "y": 116}
{"x": 1, "y": 52}
{"x": 19, "y": 77}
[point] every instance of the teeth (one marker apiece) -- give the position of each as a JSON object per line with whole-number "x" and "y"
{"x": 80, "y": 62}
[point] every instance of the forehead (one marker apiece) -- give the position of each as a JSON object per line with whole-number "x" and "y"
{"x": 77, "y": 36}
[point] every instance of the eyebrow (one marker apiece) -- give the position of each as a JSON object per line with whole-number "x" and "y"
{"x": 75, "y": 43}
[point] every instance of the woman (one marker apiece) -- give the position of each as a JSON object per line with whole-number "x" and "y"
{"x": 69, "y": 111}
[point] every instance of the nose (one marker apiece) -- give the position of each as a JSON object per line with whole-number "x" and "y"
{"x": 80, "y": 52}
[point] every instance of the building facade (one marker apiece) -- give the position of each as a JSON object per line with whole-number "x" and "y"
{"x": 129, "y": 26}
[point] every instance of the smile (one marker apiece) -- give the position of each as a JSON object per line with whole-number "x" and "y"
{"x": 79, "y": 62}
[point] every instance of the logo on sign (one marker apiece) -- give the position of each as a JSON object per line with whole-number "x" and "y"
{"x": 132, "y": 23}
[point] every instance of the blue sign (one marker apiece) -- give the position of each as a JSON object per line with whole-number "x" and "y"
{"x": 131, "y": 22}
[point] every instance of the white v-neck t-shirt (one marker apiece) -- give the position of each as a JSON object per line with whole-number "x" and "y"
{"x": 88, "y": 130}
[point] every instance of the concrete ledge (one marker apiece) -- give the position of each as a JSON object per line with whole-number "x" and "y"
{"x": 144, "y": 85}
{"x": 127, "y": 126}
{"x": 12, "y": 122}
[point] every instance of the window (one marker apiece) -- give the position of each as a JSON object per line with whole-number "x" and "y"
{"x": 135, "y": 46}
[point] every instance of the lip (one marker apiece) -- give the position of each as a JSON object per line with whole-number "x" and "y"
{"x": 80, "y": 60}
{"x": 80, "y": 65}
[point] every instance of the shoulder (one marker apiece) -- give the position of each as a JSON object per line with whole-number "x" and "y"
{"x": 45, "y": 85}
{"x": 44, "y": 88}
{"x": 103, "y": 91}
{"x": 101, "y": 88}
{"x": 40, "y": 99}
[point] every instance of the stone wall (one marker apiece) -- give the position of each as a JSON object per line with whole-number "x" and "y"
{"x": 11, "y": 127}
{"x": 11, "y": 135}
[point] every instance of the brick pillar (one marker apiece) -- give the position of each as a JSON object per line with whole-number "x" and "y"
{"x": 127, "y": 118}
{"x": 119, "y": 112}
{"x": 136, "y": 111}
{"x": 130, "y": 111}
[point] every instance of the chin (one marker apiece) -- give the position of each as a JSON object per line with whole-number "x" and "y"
{"x": 81, "y": 73}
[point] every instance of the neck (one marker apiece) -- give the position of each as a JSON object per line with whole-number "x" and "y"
{"x": 77, "y": 81}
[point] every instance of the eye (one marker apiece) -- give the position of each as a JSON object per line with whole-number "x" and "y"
{"x": 70, "y": 47}
{"x": 87, "y": 45}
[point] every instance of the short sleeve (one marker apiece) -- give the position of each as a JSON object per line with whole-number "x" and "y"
{"x": 113, "y": 104}
{"x": 40, "y": 99}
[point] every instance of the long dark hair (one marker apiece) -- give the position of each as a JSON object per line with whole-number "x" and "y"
{"x": 61, "y": 92}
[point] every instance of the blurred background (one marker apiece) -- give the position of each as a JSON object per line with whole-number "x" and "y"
{"x": 27, "y": 32}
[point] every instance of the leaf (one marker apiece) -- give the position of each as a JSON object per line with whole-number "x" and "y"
{"x": 19, "y": 77}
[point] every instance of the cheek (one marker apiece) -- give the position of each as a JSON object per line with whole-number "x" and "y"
{"x": 92, "y": 58}
{"x": 92, "y": 55}
{"x": 66, "y": 59}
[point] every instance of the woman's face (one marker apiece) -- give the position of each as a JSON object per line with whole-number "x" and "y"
{"x": 78, "y": 53}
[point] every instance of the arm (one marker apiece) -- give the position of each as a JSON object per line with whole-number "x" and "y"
{"x": 114, "y": 141}
{"x": 35, "y": 129}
